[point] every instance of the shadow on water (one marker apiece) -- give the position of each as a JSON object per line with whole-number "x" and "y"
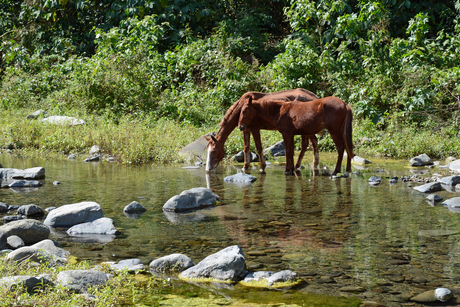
{"x": 342, "y": 236}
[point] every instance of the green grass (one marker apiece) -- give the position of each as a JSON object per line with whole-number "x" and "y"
{"x": 141, "y": 140}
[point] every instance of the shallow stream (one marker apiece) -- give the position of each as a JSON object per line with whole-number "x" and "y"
{"x": 381, "y": 243}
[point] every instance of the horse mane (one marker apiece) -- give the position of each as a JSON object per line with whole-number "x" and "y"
{"x": 235, "y": 108}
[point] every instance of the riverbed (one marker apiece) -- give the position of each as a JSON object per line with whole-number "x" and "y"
{"x": 383, "y": 243}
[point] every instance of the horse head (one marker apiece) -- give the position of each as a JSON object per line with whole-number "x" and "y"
{"x": 247, "y": 113}
{"x": 215, "y": 153}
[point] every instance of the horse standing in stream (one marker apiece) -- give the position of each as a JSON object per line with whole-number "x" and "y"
{"x": 298, "y": 118}
{"x": 215, "y": 147}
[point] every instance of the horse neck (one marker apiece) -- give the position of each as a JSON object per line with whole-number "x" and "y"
{"x": 229, "y": 124}
{"x": 268, "y": 111}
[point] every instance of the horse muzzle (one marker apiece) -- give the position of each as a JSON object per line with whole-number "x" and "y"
{"x": 242, "y": 127}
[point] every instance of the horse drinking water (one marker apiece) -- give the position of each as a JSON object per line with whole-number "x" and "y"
{"x": 215, "y": 147}
{"x": 294, "y": 118}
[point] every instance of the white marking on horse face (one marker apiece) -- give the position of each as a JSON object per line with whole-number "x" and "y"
{"x": 208, "y": 160}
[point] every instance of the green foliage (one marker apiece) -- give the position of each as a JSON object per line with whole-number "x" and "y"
{"x": 188, "y": 61}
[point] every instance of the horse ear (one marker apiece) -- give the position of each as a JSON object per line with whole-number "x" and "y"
{"x": 207, "y": 139}
{"x": 213, "y": 138}
{"x": 250, "y": 100}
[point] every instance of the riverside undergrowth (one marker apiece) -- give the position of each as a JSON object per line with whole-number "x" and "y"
{"x": 142, "y": 140}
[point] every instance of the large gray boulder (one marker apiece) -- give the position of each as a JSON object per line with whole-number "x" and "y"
{"x": 239, "y": 157}
{"x": 80, "y": 280}
{"x": 3, "y": 240}
{"x": 450, "y": 180}
{"x": 29, "y": 230}
{"x": 455, "y": 166}
{"x": 453, "y": 202}
{"x": 196, "y": 149}
{"x": 195, "y": 198}
{"x": 73, "y": 214}
{"x": 171, "y": 263}
{"x": 29, "y": 173}
{"x": 30, "y": 283}
{"x": 420, "y": 160}
{"x": 227, "y": 265}
{"x": 103, "y": 226}
{"x": 429, "y": 187}
{"x": 64, "y": 120}
{"x": 43, "y": 250}
{"x": 276, "y": 150}
{"x": 31, "y": 211}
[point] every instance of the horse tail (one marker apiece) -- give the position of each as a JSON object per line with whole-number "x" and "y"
{"x": 347, "y": 132}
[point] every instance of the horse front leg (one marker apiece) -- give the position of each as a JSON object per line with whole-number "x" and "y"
{"x": 314, "y": 144}
{"x": 302, "y": 151}
{"x": 257, "y": 141}
{"x": 247, "y": 153}
{"x": 289, "y": 152}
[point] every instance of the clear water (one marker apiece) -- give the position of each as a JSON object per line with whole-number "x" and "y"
{"x": 386, "y": 239}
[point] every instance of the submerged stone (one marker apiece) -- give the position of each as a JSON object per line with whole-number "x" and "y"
{"x": 374, "y": 180}
{"x": 266, "y": 279}
{"x": 240, "y": 177}
{"x": 171, "y": 263}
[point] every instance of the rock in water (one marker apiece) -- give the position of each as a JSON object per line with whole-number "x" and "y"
{"x": 73, "y": 214}
{"x": 29, "y": 230}
{"x": 240, "y": 177}
{"x": 79, "y": 280}
{"x": 227, "y": 265}
{"x": 171, "y": 263}
{"x": 443, "y": 294}
{"x": 420, "y": 160}
{"x": 195, "y": 198}
{"x": 429, "y": 187}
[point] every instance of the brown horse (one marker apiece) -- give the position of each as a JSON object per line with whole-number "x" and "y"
{"x": 215, "y": 147}
{"x": 294, "y": 118}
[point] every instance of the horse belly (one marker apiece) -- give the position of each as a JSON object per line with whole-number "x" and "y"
{"x": 307, "y": 125}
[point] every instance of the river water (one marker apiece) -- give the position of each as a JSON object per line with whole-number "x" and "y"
{"x": 344, "y": 237}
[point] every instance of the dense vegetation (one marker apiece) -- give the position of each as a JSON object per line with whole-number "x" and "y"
{"x": 183, "y": 63}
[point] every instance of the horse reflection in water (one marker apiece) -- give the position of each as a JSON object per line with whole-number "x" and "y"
{"x": 215, "y": 147}
{"x": 299, "y": 118}
{"x": 313, "y": 212}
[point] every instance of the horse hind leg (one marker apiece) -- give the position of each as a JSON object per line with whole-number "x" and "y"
{"x": 340, "y": 146}
{"x": 257, "y": 141}
{"x": 314, "y": 144}
{"x": 302, "y": 151}
{"x": 289, "y": 152}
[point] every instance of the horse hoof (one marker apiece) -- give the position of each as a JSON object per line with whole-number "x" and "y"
{"x": 262, "y": 171}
